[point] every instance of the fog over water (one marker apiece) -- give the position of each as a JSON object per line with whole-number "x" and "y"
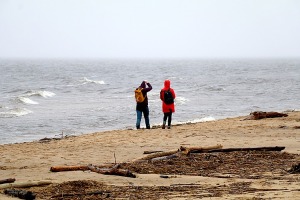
{"x": 149, "y": 29}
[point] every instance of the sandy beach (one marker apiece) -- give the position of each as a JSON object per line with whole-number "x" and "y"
{"x": 32, "y": 161}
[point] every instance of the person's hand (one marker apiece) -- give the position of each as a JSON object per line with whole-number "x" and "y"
{"x": 145, "y": 81}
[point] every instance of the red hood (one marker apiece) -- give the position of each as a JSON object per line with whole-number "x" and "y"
{"x": 167, "y": 84}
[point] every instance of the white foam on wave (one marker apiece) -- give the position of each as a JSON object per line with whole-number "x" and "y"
{"x": 194, "y": 121}
{"x": 17, "y": 112}
{"x": 46, "y": 94}
{"x": 27, "y": 100}
{"x": 197, "y": 120}
{"x": 181, "y": 100}
{"x": 42, "y": 93}
{"x": 86, "y": 80}
{"x": 204, "y": 119}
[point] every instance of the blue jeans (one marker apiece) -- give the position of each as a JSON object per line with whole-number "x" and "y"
{"x": 139, "y": 113}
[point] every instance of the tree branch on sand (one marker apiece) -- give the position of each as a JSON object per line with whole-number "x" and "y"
{"x": 104, "y": 169}
{"x": 8, "y": 180}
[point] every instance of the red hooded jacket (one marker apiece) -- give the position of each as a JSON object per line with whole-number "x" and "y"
{"x": 167, "y": 107}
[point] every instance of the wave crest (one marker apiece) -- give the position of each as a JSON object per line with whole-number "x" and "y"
{"x": 42, "y": 93}
{"x": 181, "y": 100}
{"x": 17, "y": 112}
{"x": 86, "y": 80}
{"x": 27, "y": 100}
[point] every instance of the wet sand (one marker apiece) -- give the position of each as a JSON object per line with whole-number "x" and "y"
{"x": 32, "y": 161}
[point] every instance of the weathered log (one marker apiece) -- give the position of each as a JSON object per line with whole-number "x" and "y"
{"x": 25, "y": 184}
{"x": 69, "y": 168}
{"x": 150, "y": 152}
{"x": 112, "y": 171}
{"x": 9, "y": 180}
{"x": 184, "y": 150}
{"x": 76, "y": 167}
{"x": 261, "y": 115}
{"x": 155, "y": 155}
{"x": 165, "y": 157}
{"x": 22, "y": 194}
{"x": 188, "y": 150}
{"x": 240, "y": 149}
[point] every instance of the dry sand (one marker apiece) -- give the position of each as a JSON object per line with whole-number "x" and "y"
{"x": 32, "y": 161}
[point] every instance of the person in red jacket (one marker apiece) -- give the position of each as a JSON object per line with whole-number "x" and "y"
{"x": 167, "y": 96}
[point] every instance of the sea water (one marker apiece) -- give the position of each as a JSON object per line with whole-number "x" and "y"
{"x": 50, "y": 98}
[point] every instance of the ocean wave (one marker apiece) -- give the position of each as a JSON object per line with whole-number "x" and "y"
{"x": 42, "y": 93}
{"x": 204, "y": 119}
{"x": 194, "y": 121}
{"x": 86, "y": 80}
{"x": 17, "y": 112}
{"x": 27, "y": 100}
{"x": 215, "y": 88}
{"x": 197, "y": 120}
{"x": 181, "y": 100}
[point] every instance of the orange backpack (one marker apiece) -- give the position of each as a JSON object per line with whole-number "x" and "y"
{"x": 139, "y": 97}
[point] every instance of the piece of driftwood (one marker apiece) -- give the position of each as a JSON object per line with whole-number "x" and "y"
{"x": 150, "y": 152}
{"x": 22, "y": 194}
{"x": 25, "y": 184}
{"x": 240, "y": 149}
{"x": 155, "y": 155}
{"x": 8, "y": 180}
{"x": 261, "y": 115}
{"x": 295, "y": 169}
{"x": 76, "y": 167}
{"x": 112, "y": 171}
{"x": 69, "y": 168}
{"x": 165, "y": 157}
{"x": 181, "y": 150}
{"x": 188, "y": 150}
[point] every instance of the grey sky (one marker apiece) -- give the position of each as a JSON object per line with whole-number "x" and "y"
{"x": 149, "y": 28}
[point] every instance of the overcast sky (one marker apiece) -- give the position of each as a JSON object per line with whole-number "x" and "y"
{"x": 149, "y": 28}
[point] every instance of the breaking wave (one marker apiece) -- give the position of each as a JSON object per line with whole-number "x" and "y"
{"x": 181, "y": 100}
{"x": 194, "y": 121}
{"x": 86, "y": 80}
{"x": 41, "y": 93}
{"x": 16, "y": 112}
{"x": 27, "y": 100}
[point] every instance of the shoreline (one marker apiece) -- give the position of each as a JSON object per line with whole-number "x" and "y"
{"x": 127, "y": 128}
{"x": 31, "y": 161}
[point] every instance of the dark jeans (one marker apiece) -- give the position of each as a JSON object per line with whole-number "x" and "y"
{"x": 139, "y": 113}
{"x": 169, "y": 117}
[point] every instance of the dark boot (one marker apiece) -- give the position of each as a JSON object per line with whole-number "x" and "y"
{"x": 164, "y": 125}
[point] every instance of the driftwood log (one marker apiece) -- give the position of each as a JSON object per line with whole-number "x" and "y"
{"x": 22, "y": 194}
{"x": 25, "y": 184}
{"x": 150, "y": 152}
{"x": 104, "y": 169}
{"x": 155, "y": 155}
{"x": 165, "y": 157}
{"x": 112, "y": 171}
{"x": 69, "y": 168}
{"x": 9, "y": 180}
{"x": 239, "y": 149}
{"x": 261, "y": 115}
{"x": 188, "y": 150}
{"x": 181, "y": 150}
